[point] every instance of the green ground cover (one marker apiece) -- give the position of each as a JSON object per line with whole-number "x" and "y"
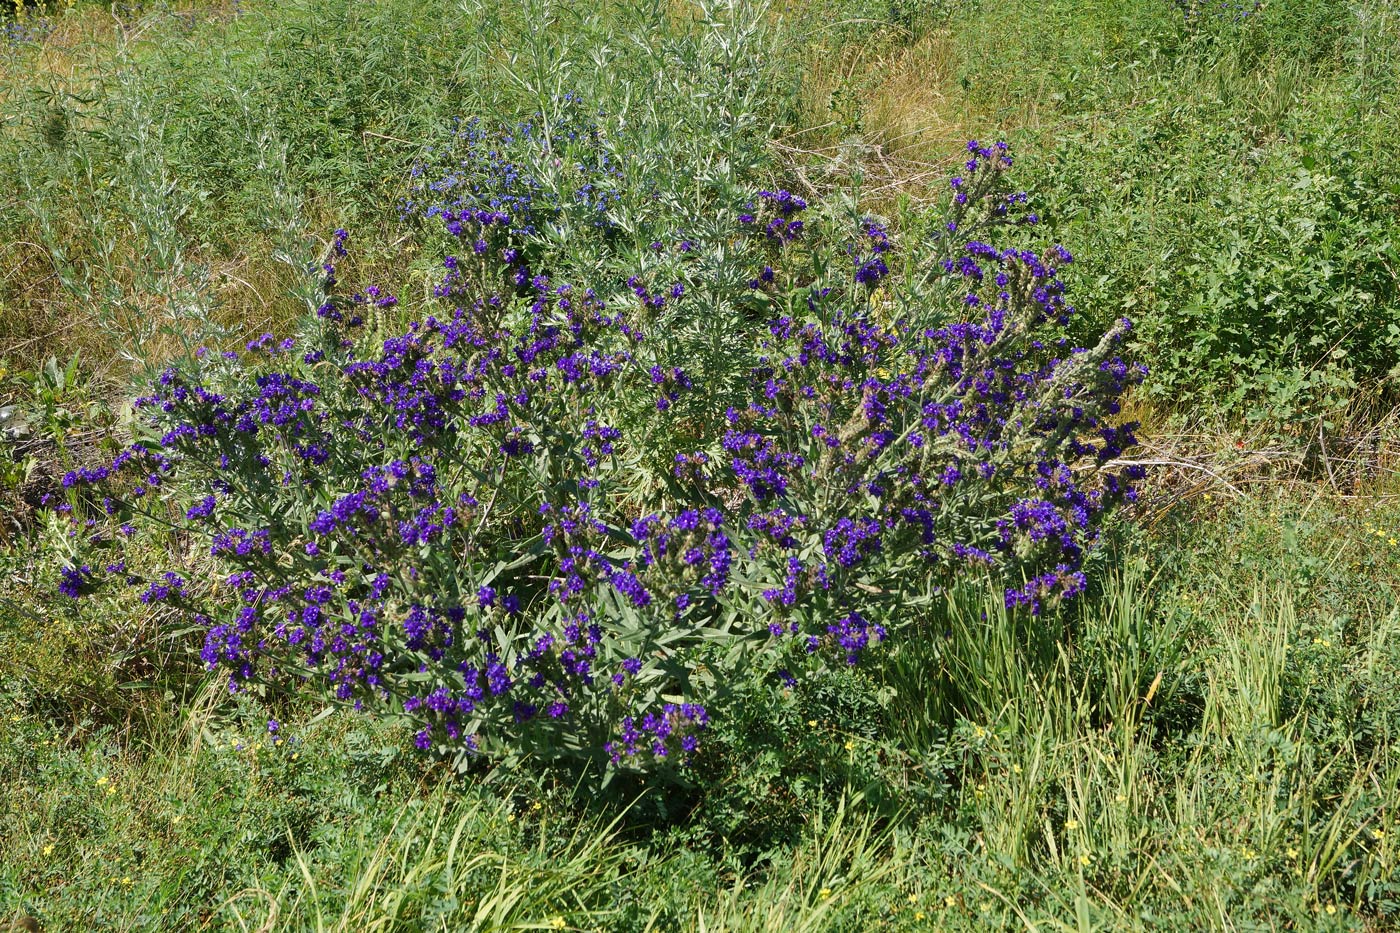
{"x": 1208, "y": 738}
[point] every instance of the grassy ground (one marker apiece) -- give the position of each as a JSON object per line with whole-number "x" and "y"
{"x": 1209, "y": 740}
{"x": 1198, "y": 747}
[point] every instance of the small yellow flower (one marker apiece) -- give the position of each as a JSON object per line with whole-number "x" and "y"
{"x": 1331, "y": 908}
{"x": 811, "y": 724}
{"x": 1121, "y": 798}
{"x": 48, "y": 849}
{"x": 103, "y": 781}
{"x": 1015, "y": 769}
{"x": 824, "y": 893}
{"x": 1084, "y": 859}
{"x": 918, "y": 915}
{"x": 179, "y": 818}
{"x": 1378, "y": 834}
{"x": 850, "y": 744}
{"x": 557, "y": 923}
{"x": 1071, "y": 824}
{"x": 1292, "y": 852}
{"x": 913, "y": 898}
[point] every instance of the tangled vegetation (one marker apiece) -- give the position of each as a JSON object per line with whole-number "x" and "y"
{"x": 693, "y": 486}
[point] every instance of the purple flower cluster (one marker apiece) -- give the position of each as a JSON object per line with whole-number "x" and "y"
{"x": 689, "y": 555}
{"x": 781, "y": 208}
{"x": 500, "y": 523}
{"x": 169, "y": 588}
{"x": 659, "y": 733}
{"x": 30, "y": 31}
{"x": 507, "y": 170}
{"x": 853, "y": 633}
{"x": 850, "y": 541}
{"x": 75, "y": 582}
{"x": 869, "y": 257}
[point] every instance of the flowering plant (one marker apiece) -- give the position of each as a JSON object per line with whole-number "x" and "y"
{"x": 560, "y": 169}
{"x": 516, "y": 517}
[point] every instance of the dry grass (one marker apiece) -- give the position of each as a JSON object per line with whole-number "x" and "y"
{"x": 249, "y": 292}
{"x": 891, "y": 110}
{"x": 44, "y": 94}
{"x": 915, "y": 109}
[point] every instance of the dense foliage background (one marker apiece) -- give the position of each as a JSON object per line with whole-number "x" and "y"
{"x": 1205, "y": 738}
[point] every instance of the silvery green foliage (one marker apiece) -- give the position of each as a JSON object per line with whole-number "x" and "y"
{"x": 519, "y": 516}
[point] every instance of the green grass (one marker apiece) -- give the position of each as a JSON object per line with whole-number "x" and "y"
{"x": 1209, "y": 740}
{"x": 1195, "y": 748}
{"x": 1232, "y": 187}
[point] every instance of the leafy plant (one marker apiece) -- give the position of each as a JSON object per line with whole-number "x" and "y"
{"x": 504, "y": 523}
